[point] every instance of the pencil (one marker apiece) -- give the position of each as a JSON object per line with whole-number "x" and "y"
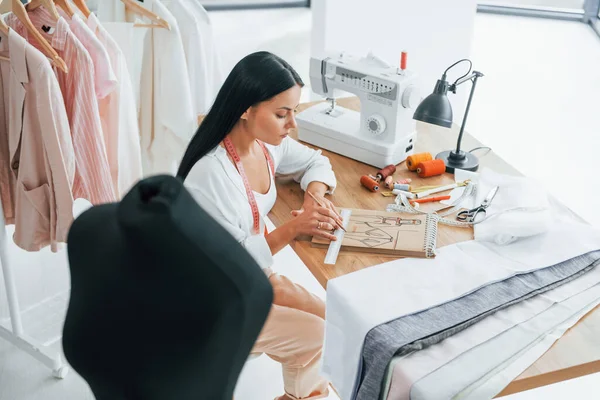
{"x": 322, "y": 205}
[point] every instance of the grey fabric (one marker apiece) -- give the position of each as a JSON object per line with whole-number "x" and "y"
{"x": 417, "y": 331}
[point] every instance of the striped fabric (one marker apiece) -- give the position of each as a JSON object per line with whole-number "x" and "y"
{"x": 92, "y": 177}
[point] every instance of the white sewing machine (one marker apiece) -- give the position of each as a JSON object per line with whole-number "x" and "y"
{"x": 383, "y": 133}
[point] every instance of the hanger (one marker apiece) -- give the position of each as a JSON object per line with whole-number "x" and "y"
{"x": 48, "y": 5}
{"x": 66, "y": 7}
{"x": 4, "y": 29}
{"x": 82, "y": 7}
{"x": 136, "y": 8}
{"x": 20, "y": 12}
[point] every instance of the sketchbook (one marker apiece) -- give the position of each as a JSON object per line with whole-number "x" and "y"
{"x": 382, "y": 232}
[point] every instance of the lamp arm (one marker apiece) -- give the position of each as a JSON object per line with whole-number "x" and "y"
{"x": 464, "y": 79}
{"x": 474, "y": 77}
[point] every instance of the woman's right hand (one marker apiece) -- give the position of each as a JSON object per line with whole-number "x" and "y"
{"x": 315, "y": 221}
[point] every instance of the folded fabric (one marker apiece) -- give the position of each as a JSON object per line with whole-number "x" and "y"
{"x": 448, "y": 381}
{"x": 358, "y": 302}
{"x": 405, "y": 371}
{"x": 520, "y": 209}
{"x": 490, "y": 387}
{"x": 424, "y": 329}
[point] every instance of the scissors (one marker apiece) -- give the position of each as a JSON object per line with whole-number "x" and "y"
{"x": 472, "y": 215}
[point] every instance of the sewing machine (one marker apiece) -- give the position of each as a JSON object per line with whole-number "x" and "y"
{"x": 383, "y": 133}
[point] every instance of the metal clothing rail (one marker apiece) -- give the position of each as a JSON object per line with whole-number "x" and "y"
{"x": 16, "y": 335}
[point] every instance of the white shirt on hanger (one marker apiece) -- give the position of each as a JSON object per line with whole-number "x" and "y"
{"x": 215, "y": 70}
{"x": 197, "y": 54}
{"x": 167, "y": 120}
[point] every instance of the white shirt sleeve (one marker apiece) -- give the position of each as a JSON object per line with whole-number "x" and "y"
{"x": 304, "y": 164}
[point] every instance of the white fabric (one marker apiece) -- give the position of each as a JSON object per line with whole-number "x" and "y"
{"x": 265, "y": 202}
{"x": 167, "y": 120}
{"x": 460, "y": 175}
{"x": 215, "y": 74}
{"x": 197, "y": 49}
{"x": 111, "y": 11}
{"x": 510, "y": 370}
{"x": 407, "y": 286}
{"x": 521, "y": 208}
{"x": 120, "y": 113}
{"x": 421, "y": 363}
{"x": 481, "y": 360}
{"x": 217, "y": 186}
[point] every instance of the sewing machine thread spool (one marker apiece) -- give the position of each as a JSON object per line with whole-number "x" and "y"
{"x": 389, "y": 182}
{"x": 431, "y": 168}
{"x": 369, "y": 183}
{"x": 402, "y": 186}
{"x": 412, "y": 162}
{"x": 382, "y": 174}
{"x": 404, "y": 181}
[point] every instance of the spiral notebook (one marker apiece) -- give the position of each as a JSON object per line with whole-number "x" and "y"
{"x": 396, "y": 234}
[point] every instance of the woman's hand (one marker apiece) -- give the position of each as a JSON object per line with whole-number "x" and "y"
{"x": 315, "y": 220}
{"x": 308, "y": 200}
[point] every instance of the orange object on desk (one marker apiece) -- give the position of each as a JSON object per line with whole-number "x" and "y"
{"x": 369, "y": 183}
{"x": 412, "y": 162}
{"x": 431, "y": 168}
{"x": 430, "y": 199}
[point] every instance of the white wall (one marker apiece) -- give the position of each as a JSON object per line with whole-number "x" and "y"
{"x": 435, "y": 33}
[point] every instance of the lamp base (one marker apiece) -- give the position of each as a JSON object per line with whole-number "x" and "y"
{"x": 463, "y": 160}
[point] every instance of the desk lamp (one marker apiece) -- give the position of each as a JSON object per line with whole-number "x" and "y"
{"x": 436, "y": 109}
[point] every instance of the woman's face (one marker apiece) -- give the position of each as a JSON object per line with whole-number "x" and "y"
{"x": 272, "y": 120}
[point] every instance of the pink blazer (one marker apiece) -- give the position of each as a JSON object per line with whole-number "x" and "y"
{"x": 37, "y": 161}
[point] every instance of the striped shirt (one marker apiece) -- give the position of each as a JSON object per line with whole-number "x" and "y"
{"x": 92, "y": 175}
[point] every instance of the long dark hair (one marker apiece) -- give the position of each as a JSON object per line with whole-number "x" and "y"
{"x": 256, "y": 78}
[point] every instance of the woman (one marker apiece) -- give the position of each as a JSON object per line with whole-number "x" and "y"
{"x": 230, "y": 166}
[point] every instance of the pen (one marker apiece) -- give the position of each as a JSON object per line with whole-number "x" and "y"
{"x": 322, "y": 205}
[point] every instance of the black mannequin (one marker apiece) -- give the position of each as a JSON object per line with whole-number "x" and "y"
{"x": 165, "y": 304}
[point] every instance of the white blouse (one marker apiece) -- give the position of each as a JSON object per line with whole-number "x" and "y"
{"x": 218, "y": 188}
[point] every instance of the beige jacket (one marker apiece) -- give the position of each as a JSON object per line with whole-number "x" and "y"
{"x": 37, "y": 162}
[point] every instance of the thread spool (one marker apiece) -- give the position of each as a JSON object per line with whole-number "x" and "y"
{"x": 369, "y": 183}
{"x": 431, "y": 168}
{"x": 408, "y": 195}
{"x": 412, "y": 162}
{"x": 389, "y": 182}
{"x": 402, "y": 186}
{"x": 404, "y": 181}
{"x": 383, "y": 173}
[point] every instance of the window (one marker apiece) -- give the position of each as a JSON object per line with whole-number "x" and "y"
{"x": 585, "y": 11}
{"x": 250, "y": 4}
{"x": 541, "y": 4}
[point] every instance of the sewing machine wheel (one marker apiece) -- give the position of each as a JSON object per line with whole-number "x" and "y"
{"x": 376, "y": 124}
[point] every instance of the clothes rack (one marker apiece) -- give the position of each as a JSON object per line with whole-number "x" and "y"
{"x": 15, "y": 334}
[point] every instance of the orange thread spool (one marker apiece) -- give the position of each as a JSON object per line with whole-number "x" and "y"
{"x": 369, "y": 183}
{"x": 385, "y": 172}
{"x": 431, "y": 168}
{"x": 412, "y": 162}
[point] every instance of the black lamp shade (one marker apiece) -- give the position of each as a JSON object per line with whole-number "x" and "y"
{"x": 436, "y": 108}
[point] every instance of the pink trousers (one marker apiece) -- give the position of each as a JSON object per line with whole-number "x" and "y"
{"x": 293, "y": 336}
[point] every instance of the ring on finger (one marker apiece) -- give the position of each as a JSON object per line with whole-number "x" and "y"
{"x": 319, "y": 226}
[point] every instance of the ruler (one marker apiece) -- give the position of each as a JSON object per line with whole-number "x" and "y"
{"x": 336, "y": 245}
